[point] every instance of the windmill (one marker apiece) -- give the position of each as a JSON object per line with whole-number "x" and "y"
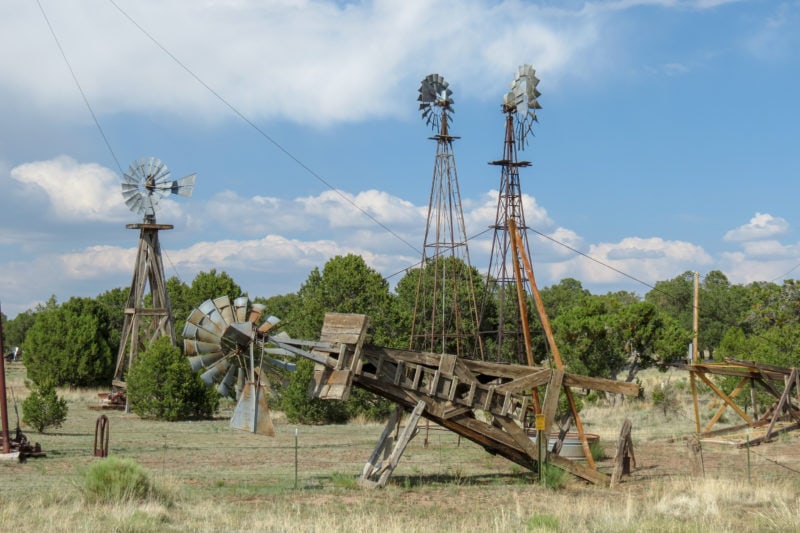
{"x": 519, "y": 107}
{"x": 143, "y": 185}
{"x": 440, "y": 319}
{"x": 220, "y": 338}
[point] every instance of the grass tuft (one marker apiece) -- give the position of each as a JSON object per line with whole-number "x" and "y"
{"x": 119, "y": 480}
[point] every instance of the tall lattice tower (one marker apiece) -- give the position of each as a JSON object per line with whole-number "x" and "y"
{"x": 147, "y": 181}
{"x": 504, "y": 337}
{"x": 445, "y": 317}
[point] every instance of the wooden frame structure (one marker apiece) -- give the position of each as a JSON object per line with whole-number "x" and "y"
{"x": 778, "y": 382}
{"x": 149, "y": 270}
{"x": 484, "y": 402}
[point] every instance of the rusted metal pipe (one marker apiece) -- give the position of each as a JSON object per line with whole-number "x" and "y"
{"x": 101, "y": 434}
{"x": 3, "y": 398}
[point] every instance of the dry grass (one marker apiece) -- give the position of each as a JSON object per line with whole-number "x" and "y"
{"x": 220, "y": 479}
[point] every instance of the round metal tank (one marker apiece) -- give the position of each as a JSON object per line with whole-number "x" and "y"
{"x": 571, "y": 448}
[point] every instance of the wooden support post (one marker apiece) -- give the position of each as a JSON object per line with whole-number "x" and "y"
{"x": 383, "y": 471}
{"x": 551, "y": 340}
{"x": 695, "y": 403}
{"x": 785, "y": 397}
{"x": 696, "y": 455}
{"x": 551, "y": 400}
{"x": 384, "y": 443}
{"x": 624, "y": 455}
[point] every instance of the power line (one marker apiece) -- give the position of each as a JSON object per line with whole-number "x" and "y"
{"x": 78, "y": 85}
{"x": 259, "y": 130}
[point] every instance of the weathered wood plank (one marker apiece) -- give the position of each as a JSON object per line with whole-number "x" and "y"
{"x": 600, "y": 384}
{"x": 535, "y": 378}
{"x": 551, "y": 399}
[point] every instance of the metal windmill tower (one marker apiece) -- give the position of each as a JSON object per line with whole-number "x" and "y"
{"x": 143, "y": 185}
{"x": 519, "y": 108}
{"x": 445, "y": 315}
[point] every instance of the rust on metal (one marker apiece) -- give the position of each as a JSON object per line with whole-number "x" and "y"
{"x": 101, "y": 435}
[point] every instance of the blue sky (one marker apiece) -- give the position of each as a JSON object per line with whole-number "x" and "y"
{"x": 667, "y": 140}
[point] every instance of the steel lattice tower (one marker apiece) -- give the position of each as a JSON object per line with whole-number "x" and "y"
{"x": 500, "y": 286}
{"x": 445, "y": 317}
{"x": 506, "y": 334}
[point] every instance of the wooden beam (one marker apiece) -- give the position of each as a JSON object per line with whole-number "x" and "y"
{"x": 782, "y": 402}
{"x": 601, "y": 384}
{"x": 550, "y": 404}
{"x": 725, "y": 398}
{"x": 722, "y": 407}
{"x": 536, "y": 378}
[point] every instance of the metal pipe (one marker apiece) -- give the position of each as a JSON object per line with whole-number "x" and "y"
{"x": 3, "y": 398}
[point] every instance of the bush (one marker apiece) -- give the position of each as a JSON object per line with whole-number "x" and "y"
{"x": 301, "y": 408}
{"x": 118, "y": 480}
{"x": 665, "y": 397}
{"x": 43, "y": 408}
{"x": 161, "y": 385}
{"x": 368, "y": 406}
{"x": 68, "y": 345}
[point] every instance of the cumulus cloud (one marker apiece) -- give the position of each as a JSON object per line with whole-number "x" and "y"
{"x": 646, "y": 259}
{"x": 75, "y": 191}
{"x": 312, "y": 62}
{"x": 761, "y": 226}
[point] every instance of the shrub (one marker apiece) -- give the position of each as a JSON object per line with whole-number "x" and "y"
{"x": 301, "y": 408}
{"x": 118, "y": 480}
{"x": 161, "y": 385}
{"x": 69, "y": 345}
{"x": 553, "y": 477}
{"x": 43, "y": 408}
{"x": 665, "y": 397}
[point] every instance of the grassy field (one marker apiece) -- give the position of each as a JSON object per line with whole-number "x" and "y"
{"x": 216, "y": 479}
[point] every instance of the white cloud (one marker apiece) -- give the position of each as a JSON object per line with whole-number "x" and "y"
{"x": 75, "y": 192}
{"x": 313, "y": 62}
{"x": 761, "y": 226}
{"x": 648, "y": 260}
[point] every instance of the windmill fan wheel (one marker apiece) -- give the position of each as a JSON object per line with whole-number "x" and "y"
{"x": 219, "y": 338}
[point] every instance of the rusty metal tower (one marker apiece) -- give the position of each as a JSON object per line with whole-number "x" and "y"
{"x": 145, "y": 182}
{"x": 445, "y": 316}
{"x": 504, "y": 337}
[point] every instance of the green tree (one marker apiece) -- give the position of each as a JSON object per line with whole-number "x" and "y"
{"x": 114, "y": 302}
{"x": 345, "y": 285}
{"x": 43, "y": 408}
{"x": 721, "y": 307}
{"x": 586, "y": 341}
{"x": 208, "y": 285}
{"x": 14, "y": 330}
{"x": 675, "y": 297}
{"x": 179, "y": 303}
{"x": 300, "y": 408}
{"x": 454, "y": 322}
{"x": 69, "y": 345}
{"x": 161, "y": 385}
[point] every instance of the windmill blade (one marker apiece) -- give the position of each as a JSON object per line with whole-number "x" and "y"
{"x": 193, "y": 347}
{"x": 224, "y": 387}
{"x": 135, "y": 203}
{"x": 210, "y": 310}
{"x": 213, "y": 373}
{"x": 199, "y": 362}
{"x": 192, "y": 331}
{"x": 223, "y": 305}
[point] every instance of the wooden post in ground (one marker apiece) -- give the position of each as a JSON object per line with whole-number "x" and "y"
{"x": 696, "y": 455}
{"x": 624, "y": 454}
